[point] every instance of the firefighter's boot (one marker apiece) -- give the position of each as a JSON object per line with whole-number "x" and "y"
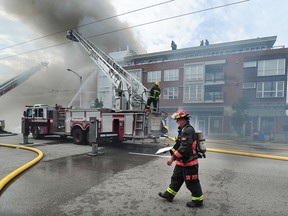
{"x": 166, "y": 195}
{"x": 194, "y": 204}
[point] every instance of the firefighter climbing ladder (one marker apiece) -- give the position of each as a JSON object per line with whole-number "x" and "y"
{"x": 131, "y": 94}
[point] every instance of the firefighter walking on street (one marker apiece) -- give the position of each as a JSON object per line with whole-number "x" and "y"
{"x": 154, "y": 97}
{"x": 184, "y": 153}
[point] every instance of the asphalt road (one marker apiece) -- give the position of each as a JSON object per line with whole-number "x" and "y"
{"x": 126, "y": 179}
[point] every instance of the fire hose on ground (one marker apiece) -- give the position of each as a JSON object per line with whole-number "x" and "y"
{"x": 21, "y": 169}
{"x": 274, "y": 157}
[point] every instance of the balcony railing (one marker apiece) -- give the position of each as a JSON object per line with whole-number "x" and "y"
{"x": 214, "y": 97}
{"x": 214, "y": 77}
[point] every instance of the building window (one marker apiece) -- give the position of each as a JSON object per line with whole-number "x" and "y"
{"x": 267, "y": 125}
{"x": 171, "y": 75}
{"x": 194, "y": 72}
{"x": 137, "y": 74}
{"x": 249, "y": 85}
{"x": 249, "y": 64}
{"x": 214, "y": 93}
{"x": 271, "y": 67}
{"x": 193, "y": 93}
{"x": 214, "y": 73}
{"x": 153, "y": 76}
{"x": 216, "y": 124}
{"x": 272, "y": 89}
{"x": 170, "y": 93}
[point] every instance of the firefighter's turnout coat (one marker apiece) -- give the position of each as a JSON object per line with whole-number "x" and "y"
{"x": 154, "y": 97}
{"x": 186, "y": 169}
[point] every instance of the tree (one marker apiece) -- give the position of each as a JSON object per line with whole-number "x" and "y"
{"x": 240, "y": 115}
{"x": 97, "y": 103}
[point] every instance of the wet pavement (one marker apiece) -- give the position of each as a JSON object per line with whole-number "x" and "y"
{"x": 125, "y": 180}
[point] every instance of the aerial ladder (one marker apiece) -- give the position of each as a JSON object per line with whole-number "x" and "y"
{"x": 19, "y": 79}
{"x": 130, "y": 94}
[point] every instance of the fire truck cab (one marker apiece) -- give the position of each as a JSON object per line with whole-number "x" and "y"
{"x": 47, "y": 120}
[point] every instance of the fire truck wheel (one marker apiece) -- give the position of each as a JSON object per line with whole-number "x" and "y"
{"x": 78, "y": 136}
{"x": 35, "y": 133}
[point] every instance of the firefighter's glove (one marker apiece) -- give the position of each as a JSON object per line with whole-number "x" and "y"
{"x": 201, "y": 155}
{"x": 170, "y": 161}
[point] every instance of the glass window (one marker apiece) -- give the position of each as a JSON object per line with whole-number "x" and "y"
{"x": 137, "y": 74}
{"x": 29, "y": 112}
{"x": 216, "y": 124}
{"x": 267, "y": 125}
{"x": 271, "y": 67}
{"x": 153, "y": 76}
{"x": 250, "y": 64}
{"x": 249, "y": 85}
{"x": 171, "y": 75}
{"x": 170, "y": 93}
{"x": 194, "y": 72}
{"x": 270, "y": 89}
{"x": 193, "y": 93}
{"x": 41, "y": 113}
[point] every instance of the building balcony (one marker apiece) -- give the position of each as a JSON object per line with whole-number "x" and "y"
{"x": 214, "y": 97}
{"x": 214, "y": 78}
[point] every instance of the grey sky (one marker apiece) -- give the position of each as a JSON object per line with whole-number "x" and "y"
{"x": 22, "y": 22}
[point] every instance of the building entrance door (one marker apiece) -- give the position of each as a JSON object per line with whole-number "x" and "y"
{"x": 248, "y": 128}
{"x": 201, "y": 126}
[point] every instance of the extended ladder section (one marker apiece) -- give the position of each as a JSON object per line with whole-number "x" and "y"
{"x": 130, "y": 93}
{"x": 19, "y": 79}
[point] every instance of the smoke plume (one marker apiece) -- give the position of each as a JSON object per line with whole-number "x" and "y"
{"x": 55, "y": 84}
{"x": 50, "y": 16}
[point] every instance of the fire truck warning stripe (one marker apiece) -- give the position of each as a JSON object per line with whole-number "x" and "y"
{"x": 21, "y": 169}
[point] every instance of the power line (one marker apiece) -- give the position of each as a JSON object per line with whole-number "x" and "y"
{"x": 96, "y": 21}
{"x": 173, "y": 17}
{"x": 135, "y": 26}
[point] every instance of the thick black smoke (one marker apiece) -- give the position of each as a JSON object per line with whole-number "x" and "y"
{"x": 55, "y": 84}
{"x": 50, "y": 16}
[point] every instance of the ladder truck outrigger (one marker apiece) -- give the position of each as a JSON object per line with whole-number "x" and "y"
{"x": 127, "y": 122}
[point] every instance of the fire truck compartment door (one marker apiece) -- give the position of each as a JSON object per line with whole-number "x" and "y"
{"x": 67, "y": 122}
{"x": 128, "y": 127}
{"x": 121, "y": 130}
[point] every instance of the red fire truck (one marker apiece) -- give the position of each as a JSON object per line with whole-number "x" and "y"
{"x": 113, "y": 126}
{"x": 127, "y": 122}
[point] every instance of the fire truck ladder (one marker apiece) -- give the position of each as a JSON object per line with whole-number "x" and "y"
{"x": 126, "y": 85}
{"x": 19, "y": 79}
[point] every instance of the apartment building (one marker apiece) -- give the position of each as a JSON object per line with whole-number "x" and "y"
{"x": 206, "y": 80}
